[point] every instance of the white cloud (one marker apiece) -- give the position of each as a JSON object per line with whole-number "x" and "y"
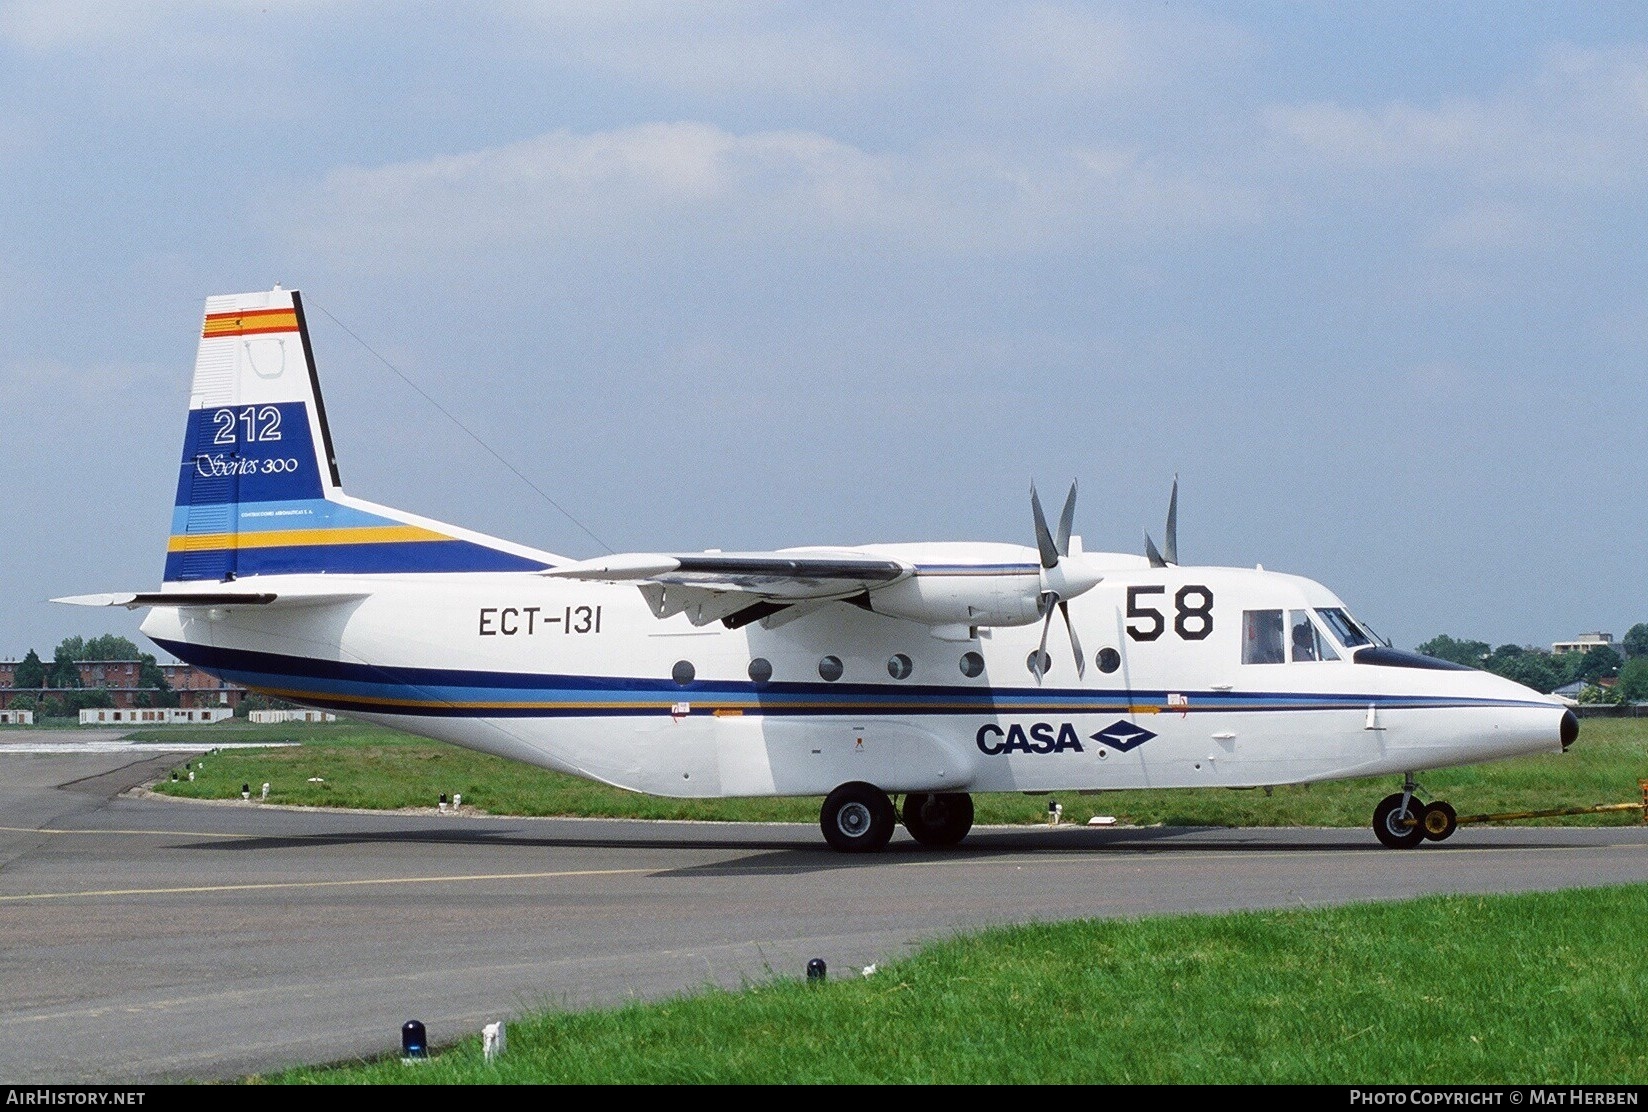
{"x": 661, "y": 183}
{"x": 1580, "y": 122}
{"x": 1494, "y": 225}
{"x": 45, "y": 25}
{"x": 709, "y": 48}
{"x": 96, "y": 385}
{"x": 1072, "y": 48}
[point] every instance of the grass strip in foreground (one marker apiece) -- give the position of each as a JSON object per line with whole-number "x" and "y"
{"x": 1547, "y": 988}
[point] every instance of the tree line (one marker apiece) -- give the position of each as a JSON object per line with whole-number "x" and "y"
{"x": 67, "y": 693}
{"x": 1546, "y": 671}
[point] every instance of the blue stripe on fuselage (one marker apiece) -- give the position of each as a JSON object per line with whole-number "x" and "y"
{"x": 472, "y": 693}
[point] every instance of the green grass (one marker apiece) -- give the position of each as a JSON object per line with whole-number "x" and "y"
{"x": 362, "y": 766}
{"x": 1530, "y": 989}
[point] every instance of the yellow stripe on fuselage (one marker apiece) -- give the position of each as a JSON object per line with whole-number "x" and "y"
{"x": 292, "y": 538}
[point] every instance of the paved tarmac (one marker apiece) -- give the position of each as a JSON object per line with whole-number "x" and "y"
{"x": 150, "y": 940}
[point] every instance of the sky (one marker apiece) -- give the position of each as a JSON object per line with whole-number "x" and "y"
{"x": 1369, "y": 279}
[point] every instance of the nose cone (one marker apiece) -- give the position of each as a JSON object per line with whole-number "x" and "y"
{"x": 1569, "y": 730}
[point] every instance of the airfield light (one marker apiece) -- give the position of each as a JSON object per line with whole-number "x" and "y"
{"x": 815, "y": 969}
{"x": 265, "y": 789}
{"x": 413, "y": 1043}
{"x": 443, "y": 801}
{"x": 246, "y": 791}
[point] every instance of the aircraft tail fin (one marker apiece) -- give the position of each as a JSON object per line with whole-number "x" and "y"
{"x": 258, "y": 491}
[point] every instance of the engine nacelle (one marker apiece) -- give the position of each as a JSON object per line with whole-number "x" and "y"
{"x": 967, "y": 599}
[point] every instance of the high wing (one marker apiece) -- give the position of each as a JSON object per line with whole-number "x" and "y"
{"x": 737, "y": 588}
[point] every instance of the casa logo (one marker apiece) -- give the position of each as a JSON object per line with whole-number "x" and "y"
{"x": 1048, "y": 737}
{"x": 1123, "y": 735}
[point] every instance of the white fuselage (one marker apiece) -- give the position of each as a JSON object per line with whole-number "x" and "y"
{"x": 583, "y": 678}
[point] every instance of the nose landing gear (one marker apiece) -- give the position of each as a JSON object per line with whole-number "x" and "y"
{"x": 1401, "y": 822}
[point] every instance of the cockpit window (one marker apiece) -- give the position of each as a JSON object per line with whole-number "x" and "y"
{"x": 1307, "y": 641}
{"x": 1344, "y": 627}
{"x": 1262, "y": 637}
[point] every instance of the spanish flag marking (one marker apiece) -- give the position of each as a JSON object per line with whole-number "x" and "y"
{"x": 250, "y": 322}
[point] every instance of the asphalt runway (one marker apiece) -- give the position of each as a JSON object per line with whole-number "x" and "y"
{"x": 148, "y": 940}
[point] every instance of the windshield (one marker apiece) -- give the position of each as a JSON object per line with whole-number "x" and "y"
{"x": 1349, "y": 633}
{"x": 1308, "y": 642}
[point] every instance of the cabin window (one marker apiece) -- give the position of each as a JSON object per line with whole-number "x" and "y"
{"x": 1046, "y": 662}
{"x": 760, "y": 669}
{"x": 830, "y": 668}
{"x": 1262, "y": 637}
{"x": 972, "y": 665}
{"x": 1108, "y": 660}
{"x": 900, "y": 666}
{"x": 1344, "y": 627}
{"x": 683, "y": 672}
{"x": 1306, "y": 640}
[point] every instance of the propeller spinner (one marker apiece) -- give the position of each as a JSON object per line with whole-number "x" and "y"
{"x": 1061, "y": 579}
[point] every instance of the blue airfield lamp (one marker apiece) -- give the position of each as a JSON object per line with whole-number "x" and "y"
{"x": 413, "y": 1043}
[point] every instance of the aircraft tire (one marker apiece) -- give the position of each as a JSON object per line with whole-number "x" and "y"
{"x": 857, "y": 818}
{"x": 1388, "y": 827}
{"x": 1439, "y": 821}
{"x": 938, "y": 818}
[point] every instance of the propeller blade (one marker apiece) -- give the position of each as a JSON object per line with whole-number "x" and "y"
{"x": 1075, "y": 642}
{"x": 1066, "y": 519}
{"x": 1151, "y": 554}
{"x": 1044, "y": 539}
{"x": 1041, "y": 653}
{"x": 1172, "y": 538}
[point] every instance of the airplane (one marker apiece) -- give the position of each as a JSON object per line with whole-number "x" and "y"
{"x": 867, "y": 673}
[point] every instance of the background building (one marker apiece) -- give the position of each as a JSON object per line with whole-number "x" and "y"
{"x": 195, "y": 687}
{"x": 1584, "y": 643}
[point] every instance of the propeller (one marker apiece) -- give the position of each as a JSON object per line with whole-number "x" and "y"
{"x": 1171, "y": 540}
{"x": 1060, "y": 582}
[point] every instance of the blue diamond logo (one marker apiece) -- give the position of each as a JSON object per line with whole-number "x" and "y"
{"x": 1124, "y": 735}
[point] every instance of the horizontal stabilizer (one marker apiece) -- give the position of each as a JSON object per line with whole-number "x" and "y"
{"x": 135, "y": 600}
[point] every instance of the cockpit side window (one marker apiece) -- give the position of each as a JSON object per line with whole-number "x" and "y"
{"x": 1344, "y": 627}
{"x": 1262, "y": 637}
{"x": 1307, "y": 641}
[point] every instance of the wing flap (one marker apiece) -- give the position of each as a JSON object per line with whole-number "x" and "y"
{"x": 787, "y": 576}
{"x": 740, "y": 587}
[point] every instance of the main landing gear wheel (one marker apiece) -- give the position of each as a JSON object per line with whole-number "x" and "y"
{"x": 857, "y": 818}
{"x": 1390, "y": 824}
{"x": 938, "y": 818}
{"x": 1439, "y": 821}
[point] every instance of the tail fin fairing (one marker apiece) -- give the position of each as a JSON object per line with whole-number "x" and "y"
{"x": 258, "y": 490}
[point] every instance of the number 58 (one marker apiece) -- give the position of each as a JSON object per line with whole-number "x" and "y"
{"x": 1190, "y": 622}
